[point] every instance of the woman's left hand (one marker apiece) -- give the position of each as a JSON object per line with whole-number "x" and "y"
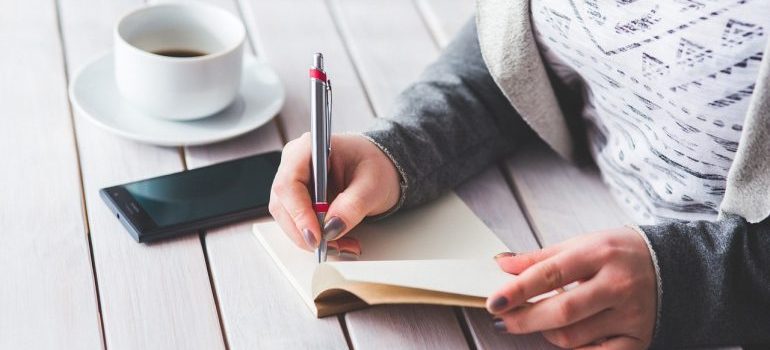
{"x": 613, "y": 305}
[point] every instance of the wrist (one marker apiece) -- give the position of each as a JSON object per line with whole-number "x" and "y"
{"x": 658, "y": 282}
{"x": 402, "y": 181}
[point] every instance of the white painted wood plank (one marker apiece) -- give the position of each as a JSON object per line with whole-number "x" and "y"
{"x": 260, "y": 308}
{"x": 48, "y": 297}
{"x": 561, "y": 199}
{"x": 405, "y": 327}
{"x": 152, "y": 296}
{"x": 287, "y": 33}
{"x": 257, "y": 304}
{"x": 486, "y": 337}
{"x": 446, "y": 17}
{"x": 490, "y": 197}
{"x": 388, "y": 43}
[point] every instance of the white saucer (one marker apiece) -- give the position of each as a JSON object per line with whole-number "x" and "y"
{"x": 94, "y": 94}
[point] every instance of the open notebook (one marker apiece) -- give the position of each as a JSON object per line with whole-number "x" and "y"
{"x": 439, "y": 253}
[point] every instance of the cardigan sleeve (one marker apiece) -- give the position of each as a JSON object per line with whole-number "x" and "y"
{"x": 714, "y": 282}
{"x": 450, "y": 124}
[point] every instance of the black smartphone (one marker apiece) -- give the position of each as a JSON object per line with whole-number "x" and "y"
{"x": 189, "y": 201}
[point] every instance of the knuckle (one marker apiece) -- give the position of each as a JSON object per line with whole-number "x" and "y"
{"x": 529, "y": 259}
{"x": 273, "y": 207}
{"x": 537, "y": 255}
{"x": 553, "y": 276}
{"x": 297, "y": 214}
{"x": 622, "y": 286}
{"x": 608, "y": 251}
{"x": 354, "y": 203}
{"x": 518, "y": 325}
{"x": 517, "y": 292}
{"x": 626, "y": 287}
{"x": 634, "y": 312}
{"x": 560, "y": 338}
{"x": 565, "y": 312}
{"x": 279, "y": 188}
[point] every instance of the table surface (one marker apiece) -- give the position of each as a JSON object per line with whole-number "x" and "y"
{"x": 73, "y": 278}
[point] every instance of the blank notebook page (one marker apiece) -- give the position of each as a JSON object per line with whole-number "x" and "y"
{"x": 445, "y": 229}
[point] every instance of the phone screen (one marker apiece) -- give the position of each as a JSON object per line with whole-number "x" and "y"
{"x": 199, "y": 194}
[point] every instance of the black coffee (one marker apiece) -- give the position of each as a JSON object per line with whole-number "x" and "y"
{"x": 179, "y": 53}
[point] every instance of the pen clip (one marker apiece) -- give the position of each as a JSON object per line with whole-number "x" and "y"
{"x": 329, "y": 115}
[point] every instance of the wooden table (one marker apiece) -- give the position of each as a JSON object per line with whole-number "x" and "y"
{"x": 73, "y": 278}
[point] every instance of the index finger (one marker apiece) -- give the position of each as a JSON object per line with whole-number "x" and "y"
{"x": 291, "y": 187}
{"x": 295, "y": 199}
{"x": 295, "y": 160}
{"x": 567, "y": 266}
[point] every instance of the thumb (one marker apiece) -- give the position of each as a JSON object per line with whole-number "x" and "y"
{"x": 348, "y": 209}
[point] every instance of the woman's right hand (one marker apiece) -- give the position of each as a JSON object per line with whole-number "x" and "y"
{"x": 363, "y": 182}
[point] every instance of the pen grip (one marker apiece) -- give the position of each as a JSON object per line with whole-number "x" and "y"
{"x": 320, "y": 207}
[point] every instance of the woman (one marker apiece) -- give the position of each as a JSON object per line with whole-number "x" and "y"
{"x": 672, "y": 100}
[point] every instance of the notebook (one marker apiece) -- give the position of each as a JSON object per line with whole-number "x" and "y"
{"x": 439, "y": 253}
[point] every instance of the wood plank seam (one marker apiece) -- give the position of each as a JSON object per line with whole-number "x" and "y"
{"x": 466, "y": 329}
{"x": 180, "y": 150}
{"x": 83, "y": 209}
{"x": 434, "y": 35}
{"x": 517, "y": 194}
{"x": 249, "y": 24}
{"x": 255, "y": 51}
{"x": 345, "y": 331}
{"x": 346, "y": 46}
{"x": 281, "y": 128}
{"x": 202, "y": 238}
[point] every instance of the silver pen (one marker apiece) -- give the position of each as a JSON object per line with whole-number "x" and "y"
{"x": 320, "y": 130}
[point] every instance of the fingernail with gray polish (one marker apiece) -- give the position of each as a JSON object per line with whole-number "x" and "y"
{"x": 499, "y": 304}
{"x": 309, "y": 238}
{"x": 500, "y": 325}
{"x": 334, "y": 228}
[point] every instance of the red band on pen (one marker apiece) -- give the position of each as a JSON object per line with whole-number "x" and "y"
{"x": 321, "y": 207}
{"x": 317, "y": 74}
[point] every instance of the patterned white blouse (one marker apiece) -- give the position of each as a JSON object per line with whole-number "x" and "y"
{"x": 667, "y": 84}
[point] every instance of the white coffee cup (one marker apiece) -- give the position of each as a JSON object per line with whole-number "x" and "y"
{"x": 179, "y": 88}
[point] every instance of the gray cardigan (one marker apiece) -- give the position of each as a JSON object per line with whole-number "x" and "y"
{"x": 714, "y": 277}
